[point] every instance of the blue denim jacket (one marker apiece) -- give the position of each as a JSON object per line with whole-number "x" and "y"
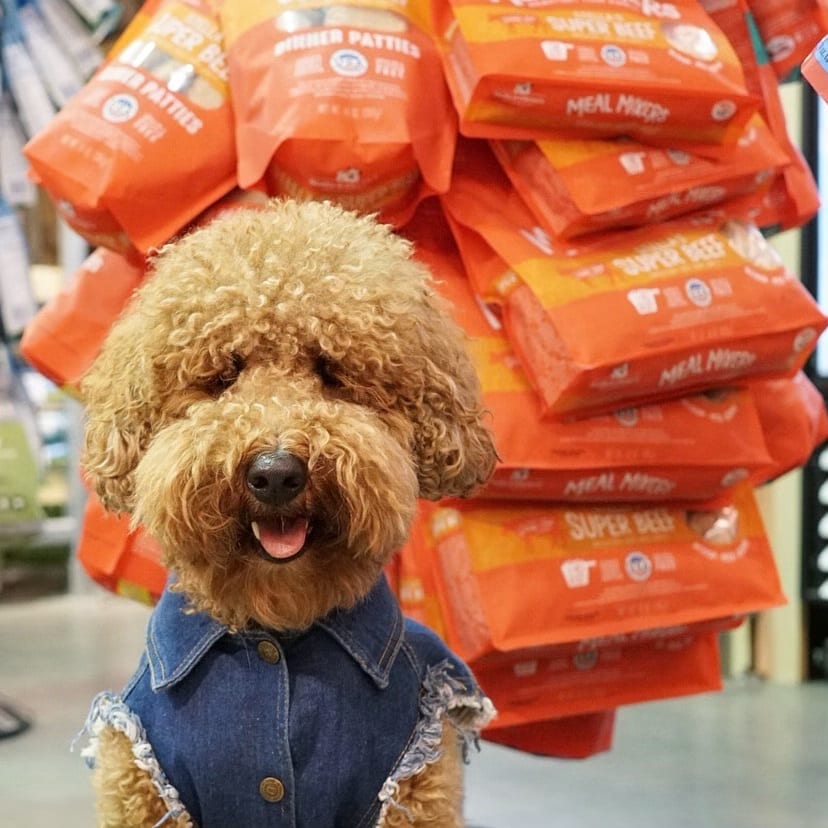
{"x": 304, "y": 730}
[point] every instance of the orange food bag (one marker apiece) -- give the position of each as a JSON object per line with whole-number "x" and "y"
{"x": 340, "y": 101}
{"x": 792, "y": 198}
{"x": 148, "y": 143}
{"x": 550, "y": 682}
{"x": 815, "y": 68}
{"x": 794, "y": 421}
{"x": 692, "y": 448}
{"x": 122, "y": 560}
{"x": 658, "y": 72}
{"x": 582, "y": 186}
{"x": 567, "y": 737}
{"x": 681, "y": 307}
{"x": 65, "y": 335}
{"x": 514, "y": 576}
{"x": 790, "y": 29}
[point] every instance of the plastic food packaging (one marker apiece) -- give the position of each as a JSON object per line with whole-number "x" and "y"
{"x": 344, "y": 101}
{"x": 658, "y": 72}
{"x": 590, "y": 572}
{"x": 691, "y": 448}
{"x": 681, "y": 307}
{"x": 815, "y": 68}
{"x": 148, "y": 143}
{"x": 582, "y": 186}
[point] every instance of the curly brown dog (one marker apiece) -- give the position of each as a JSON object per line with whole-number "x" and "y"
{"x": 277, "y": 397}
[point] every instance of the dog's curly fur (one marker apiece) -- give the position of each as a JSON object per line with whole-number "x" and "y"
{"x": 302, "y": 328}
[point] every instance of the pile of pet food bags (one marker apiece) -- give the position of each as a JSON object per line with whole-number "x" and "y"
{"x": 592, "y": 184}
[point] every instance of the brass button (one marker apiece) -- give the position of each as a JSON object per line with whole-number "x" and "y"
{"x": 268, "y": 652}
{"x": 271, "y": 789}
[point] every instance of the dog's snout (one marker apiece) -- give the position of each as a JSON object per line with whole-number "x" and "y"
{"x": 276, "y": 477}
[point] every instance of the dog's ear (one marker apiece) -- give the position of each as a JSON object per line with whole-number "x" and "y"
{"x": 454, "y": 448}
{"x": 116, "y": 395}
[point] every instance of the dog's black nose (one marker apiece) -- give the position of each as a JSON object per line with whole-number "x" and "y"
{"x": 276, "y": 477}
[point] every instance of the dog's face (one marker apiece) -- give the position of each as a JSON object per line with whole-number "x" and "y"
{"x": 274, "y": 401}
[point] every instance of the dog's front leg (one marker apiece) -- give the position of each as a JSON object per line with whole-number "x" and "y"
{"x": 126, "y": 796}
{"x": 434, "y": 796}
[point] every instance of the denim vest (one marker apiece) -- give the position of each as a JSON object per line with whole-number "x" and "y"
{"x": 300, "y": 730}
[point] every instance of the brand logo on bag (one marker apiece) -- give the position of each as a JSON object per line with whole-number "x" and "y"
{"x": 638, "y": 566}
{"x": 120, "y": 108}
{"x": 349, "y": 62}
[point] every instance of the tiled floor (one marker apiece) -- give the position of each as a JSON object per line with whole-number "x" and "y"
{"x": 754, "y": 756}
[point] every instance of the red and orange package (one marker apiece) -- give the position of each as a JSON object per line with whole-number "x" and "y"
{"x": 815, "y": 68}
{"x": 677, "y": 308}
{"x": 789, "y": 29}
{"x": 658, "y": 72}
{"x": 148, "y": 143}
{"x": 692, "y": 448}
{"x": 66, "y": 334}
{"x": 543, "y": 683}
{"x": 583, "y": 186}
{"x": 794, "y": 421}
{"x": 568, "y": 737}
{"x": 124, "y": 561}
{"x": 596, "y": 571}
{"x": 792, "y": 197}
{"x": 345, "y": 101}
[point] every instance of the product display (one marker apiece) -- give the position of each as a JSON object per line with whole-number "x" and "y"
{"x": 593, "y": 186}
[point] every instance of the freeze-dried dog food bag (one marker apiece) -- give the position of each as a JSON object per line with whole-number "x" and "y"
{"x": 583, "y": 186}
{"x": 656, "y": 71}
{"x": 792, "y": 198}
{"x": 692, "y": 448}
{"x": 148, "y": 143}
{"x": 340, "y": 100}
{"x": 677, "y": 308}
{"x": 118, "y": 557}
{"x": 564, "y": 681}
{"x": 66, "y": 334}
{"x": 594, "y": 571}
{"x": 789, "y": 30}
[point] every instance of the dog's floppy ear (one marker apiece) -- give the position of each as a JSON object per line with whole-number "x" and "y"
{"x": 454, "y": 448}
{"x": 116, "y": 395}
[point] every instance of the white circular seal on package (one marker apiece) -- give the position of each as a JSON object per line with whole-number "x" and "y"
{"x": 613, "y": 55}
{"x": 120, "y": 108}
{"x": 723, "y": 110}
{"x": 803, "y": 339}
{"x": 698, "y": 293}
{"x": 638, "y": 566}
{"x": 349, "y": 62}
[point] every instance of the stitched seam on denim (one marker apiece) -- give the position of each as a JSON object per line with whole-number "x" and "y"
{"x": 371, "y": 816}
{"x": 283, "y": 724}
{"x": 196, "y": 652}
{"x": 154, "y": 655}
{"x": 393, "y": 642}
{"x": 136, "y": 678}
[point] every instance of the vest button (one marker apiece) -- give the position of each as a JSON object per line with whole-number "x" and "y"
{"x": 268, "y": 652}
{"x": 271, "y": 789}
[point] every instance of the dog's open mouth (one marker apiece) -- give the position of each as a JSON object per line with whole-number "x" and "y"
{"x": 282, "y": 539}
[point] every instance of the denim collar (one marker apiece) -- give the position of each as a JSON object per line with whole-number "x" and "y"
{"x": 371, "y": 633}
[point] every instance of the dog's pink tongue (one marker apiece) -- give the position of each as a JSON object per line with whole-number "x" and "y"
{"x": 283, "y": 540}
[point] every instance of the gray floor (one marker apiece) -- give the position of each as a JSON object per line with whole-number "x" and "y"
{"x": 754, "y": 756}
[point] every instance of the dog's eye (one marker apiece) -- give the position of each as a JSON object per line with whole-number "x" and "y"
{"x": 227, "y": 377}
{"x": 326, "y": 370}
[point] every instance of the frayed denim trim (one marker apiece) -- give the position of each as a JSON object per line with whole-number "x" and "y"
{"x": 445, "y": 696}
{"x": 109, "y": 711}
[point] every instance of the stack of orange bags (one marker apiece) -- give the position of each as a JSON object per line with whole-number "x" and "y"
{"x": 591, "y": 184}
